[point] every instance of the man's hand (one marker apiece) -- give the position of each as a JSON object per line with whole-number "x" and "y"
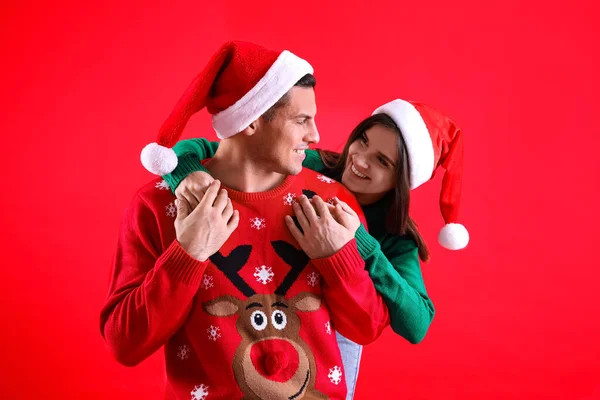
{"x": 323, "y": 235}
{"x": 193, "y": 187}
{"x": 344, "y": 214}
{"x": 203, "y": 230}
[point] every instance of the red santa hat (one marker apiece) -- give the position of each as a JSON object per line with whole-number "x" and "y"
{"x": 239, "y": 84}
{"x": 433, "y": 140}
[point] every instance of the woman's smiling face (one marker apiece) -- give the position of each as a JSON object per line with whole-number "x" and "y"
{"x": 370, "y": 170}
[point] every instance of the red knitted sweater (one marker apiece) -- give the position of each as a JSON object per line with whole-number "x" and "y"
{"x": 255, "y": 321}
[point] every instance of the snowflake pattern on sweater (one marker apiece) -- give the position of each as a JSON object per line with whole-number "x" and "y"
{"x": 335, "y": 375}
{"x": 200, "y": 392}
{"x": 258, "y": 223}
{"x": 207, "y": 282}
{"x": 183, "y": 352}
{"x": 171, "y": 210}
{"x": 264, "y": 274}
{"x": 162, "y": 185}
{"x": 312, "y": 279}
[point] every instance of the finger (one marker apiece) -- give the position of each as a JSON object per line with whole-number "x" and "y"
{"x": 345, "y": 207}
{"x": 337, "y": 213}
{"x": 296, "y": 233}
{"x": 208, "y": 179}
{"x": 211, "y": 194}
{"x": 179, "y": 191}
{"x": 308, "y": 209}
{"x": 228, "y": 211}
{"x": 191, "y": 199}
{"x": 187, "y": 184}
{"x": 221, "y": 201}
{"x": 302, "y": 220}
{"x": 183, "y": 209}
{"x": 200, "y": 194}
{"x": 202, "y": 178}
{"x": 342, "y": 217}
{"x": 198, "y": 189}
{"x": 320, "y": 206}
{"x": 332, "y": 210}
{"x": 349, "y": 210}
{"x": 234, "y": 221}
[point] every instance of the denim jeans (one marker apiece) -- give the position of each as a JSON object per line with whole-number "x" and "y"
{"x": 351, "y": 354}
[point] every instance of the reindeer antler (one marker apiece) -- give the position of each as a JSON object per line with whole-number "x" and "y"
{"x": 297, "y": 259}
{"x": 308, "y": 193}
{"x": 232, "y": 264}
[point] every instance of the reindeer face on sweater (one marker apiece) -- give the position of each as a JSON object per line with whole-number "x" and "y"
{"x": 272, "y": 361}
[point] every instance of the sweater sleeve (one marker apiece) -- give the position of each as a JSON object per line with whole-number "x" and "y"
{"x": 150, "y": 294}
{"x": 313, "y": 161}
{"x": 397, "y": 277}
{"x": 190, "y": 154}
{"x": 356, "y": 309}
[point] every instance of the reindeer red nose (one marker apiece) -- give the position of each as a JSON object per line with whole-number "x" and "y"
{"x": 275, "y": 359}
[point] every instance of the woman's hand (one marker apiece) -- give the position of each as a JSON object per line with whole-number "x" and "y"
{"x": 322, "y": 234}
{"x": 193, "y": 187}
{"x": 344, "y": 214}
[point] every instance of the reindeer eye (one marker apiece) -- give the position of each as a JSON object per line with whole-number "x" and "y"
{"x": 258, "y": 319}
{"x": 279, "y": 319}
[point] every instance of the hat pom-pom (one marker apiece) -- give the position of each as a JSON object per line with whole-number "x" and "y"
{"x": 159, "y": 160}
{"x": 454, "y": 237}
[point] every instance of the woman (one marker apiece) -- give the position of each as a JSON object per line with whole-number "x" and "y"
{"x": 393, "y": 151}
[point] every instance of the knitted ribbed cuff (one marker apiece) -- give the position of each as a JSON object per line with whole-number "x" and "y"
{"x": 313, "y": 161}
{"x": 341, "y": 266}
{"x": 186, "y": 164}
{"x": 177, "y": 263}
{"x": 366, "y": 243}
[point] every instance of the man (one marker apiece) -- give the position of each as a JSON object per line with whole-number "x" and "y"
{"x": 240, "y": 311}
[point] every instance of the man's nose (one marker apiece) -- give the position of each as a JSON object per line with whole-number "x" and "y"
{"x": 312, "y": 135}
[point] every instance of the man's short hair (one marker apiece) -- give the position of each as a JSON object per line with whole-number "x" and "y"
{"x": 307, "y": 81}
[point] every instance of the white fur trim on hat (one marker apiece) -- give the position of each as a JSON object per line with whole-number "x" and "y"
{"x": 281, "y": 77}
{"x": 416, "y": 137}
{"x": 454, "y": 237}
{"x": 158, "y": 159}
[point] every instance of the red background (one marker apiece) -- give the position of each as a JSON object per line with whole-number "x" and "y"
{"x": 84, "y": 87}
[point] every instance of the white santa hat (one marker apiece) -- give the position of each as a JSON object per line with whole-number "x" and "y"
{"x": 239, "y": 84}
{"x": 433, "y": 140}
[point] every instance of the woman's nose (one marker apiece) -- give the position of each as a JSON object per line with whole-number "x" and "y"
{"x": 361, "y": 161}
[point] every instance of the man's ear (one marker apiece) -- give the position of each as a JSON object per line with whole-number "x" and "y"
{"x": 252, "y": 128}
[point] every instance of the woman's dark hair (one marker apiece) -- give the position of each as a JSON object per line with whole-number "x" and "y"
{"x": 398, "y": 221}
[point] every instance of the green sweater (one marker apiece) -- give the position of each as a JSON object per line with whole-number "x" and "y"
{"x": 391, "y": 260}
